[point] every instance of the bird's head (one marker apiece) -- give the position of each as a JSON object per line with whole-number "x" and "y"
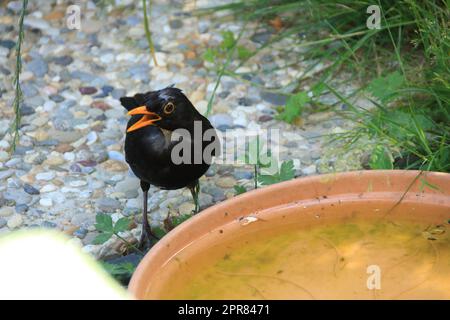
{"x": 167, "y": 108}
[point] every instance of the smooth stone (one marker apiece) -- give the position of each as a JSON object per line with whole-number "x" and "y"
{"x": 5, "y": 174}
{"x": 36, "y": 23}
{"x": 238, "y": 175}
{"x": 116, "y": 155}
{"x": 226, "y": 182}
{"x": 108, "y": 204}
{"x": 15, "y": 221}
{"x": 205, "y": 200}
{"x": 245, "y": 102}
{"x": 129, "y": 186}
{"x": 215, "y": 192}
{"x": 15, "y": 6}
{"x": 309, "y": 170}
{"x": 265, "y": 118}
{"x": 221, "y": 119}
{"x": 21, "y": 208}
{"x": 34, "y": 212}
{"x": 46, "y": 202}
{"x": 6, "y": 211}
{"x": 63, "y": 60}
{"x": 48, "y": 225}
{"x": 118, "y": 93}
{"x": 37, "y": 66}
{"x": 80, "y": 233}
{"x": 30, "y": 189}
{"x": 133, "y": 203}
{"x": 48, "y": 188}
{"x": 29, "y": 90}
{"x": 78, "y": 183}
{"x": 56, "y": 98}
{"x": 176, "y": 24}
{"x": 65, "y": 136}
{"x": 18, "y": 196}
{"x": 91, "y": 138}
{"x": 26, "y": 110}
{"x": 186, "y": 208}
{"x": 274, "y": 98}
{"x": 2, "y": 222}
{"x": 261, "y": 37}
{"x": 87, "y": 90}
{"x": 127, "y": 212}
{"x": 45, "y": 176}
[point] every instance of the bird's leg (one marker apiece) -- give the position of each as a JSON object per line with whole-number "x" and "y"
{"x": 146, "y": 233}
{"x": 195, "y": 190}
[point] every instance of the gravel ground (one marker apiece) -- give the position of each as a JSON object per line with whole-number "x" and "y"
{"x": 69, "y": 164}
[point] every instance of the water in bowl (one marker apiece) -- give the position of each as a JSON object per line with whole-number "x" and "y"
{"x": 356, "y": 257}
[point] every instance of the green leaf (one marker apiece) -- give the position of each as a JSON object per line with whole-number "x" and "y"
{"x": 159, "y": 232}
{"x": 385, "y": 88}
{"x": 176, "y": 220}
{"x": 266, "y": 179}
{"x": 125, "y": 268}
{"x": 228, "y": 40}
{"x": 122, "y": 225}
{"x": 210, "y": 55}
{"x": 243, "y": 52}
{"x": 104, "y": 222}
{"x": 102, "y": 238}
{"x": 287, "y": 171}
{"x": 381, "y": 159}
{"x": 238, "y": 189}
{"x": 294, "y": 107}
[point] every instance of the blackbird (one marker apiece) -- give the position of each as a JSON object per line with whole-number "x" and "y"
{"x": 165, "y": 142}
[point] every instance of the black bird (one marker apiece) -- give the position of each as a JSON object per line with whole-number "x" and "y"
{"x": 162, "y": 123}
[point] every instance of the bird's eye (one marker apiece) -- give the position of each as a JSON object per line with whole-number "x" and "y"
{"x": 169, "y": 107}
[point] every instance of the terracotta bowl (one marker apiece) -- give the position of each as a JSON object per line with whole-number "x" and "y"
{"x": 368, "y": 192}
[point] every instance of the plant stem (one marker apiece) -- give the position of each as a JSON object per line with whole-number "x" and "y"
{"x": 16, "y": 82}
{"x": 148, "y": 34}
{"x": 223, "y": 69}
{"x": 130, "y": 245}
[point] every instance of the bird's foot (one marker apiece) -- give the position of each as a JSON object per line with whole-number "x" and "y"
{"x": 147, "y": 236}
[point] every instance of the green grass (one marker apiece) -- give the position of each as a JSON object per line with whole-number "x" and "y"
{"x": 403, "y": 67}
{"x": 16, "y": 82}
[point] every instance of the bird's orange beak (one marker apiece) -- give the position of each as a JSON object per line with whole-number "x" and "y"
{"x": 148, "y": 118}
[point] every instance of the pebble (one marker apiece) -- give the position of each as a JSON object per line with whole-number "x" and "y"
{"x": 48, "y": 225}
{"x": 226, "y": 182}
{"x": 63, "y": 60}
{"x": 221, "y": 119}
{"x": 108, "y": 204}
{"x": 38, "y": 67}
{"x": 2, "y": 222}
{"x": 45, "y": 176}
{"x": 30, "y": 189}
{"x": 6, "y": 211}
{"x": 17, "y": 196}
{"x": 274, "y": 98}
{"x": 309, "y": 170}
{"x": 48, "y": 188}
{"x": 78, "y": 183}
{"x": 15, "y": 221}
{"x": 21, "y": 208}
{"x": 87, "y": 90}
{"x": 186, "y": 208}
{"x": 46, "y": 202}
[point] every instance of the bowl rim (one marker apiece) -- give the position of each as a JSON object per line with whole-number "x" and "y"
{"x": 407, "y": 178}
